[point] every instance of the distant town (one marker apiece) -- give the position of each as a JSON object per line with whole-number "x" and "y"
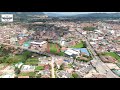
{"x": 36, "y": 45}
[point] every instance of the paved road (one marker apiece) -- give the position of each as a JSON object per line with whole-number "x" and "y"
{"x": 52, "y": 66}
{"x": 100, "y": 66}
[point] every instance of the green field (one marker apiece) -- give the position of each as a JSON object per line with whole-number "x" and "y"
{"x": 53, "y": 48}
{"x": 39, "y": 68}
{"x": 27, "y": 74}
{"x": 31, "y": 61}
{"x": 79, "y": 45}
{"x": 113, "y": 54}
{"x": 89, "y": 28}
{"x": 12, "y": 59}
{"x": 61, "y": 53}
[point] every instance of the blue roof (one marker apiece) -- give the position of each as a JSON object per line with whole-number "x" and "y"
{"x": 83, "y": 50}
{"x": 66, "y": 60}
{"x": 27, "y": 44}
{"x": 22, "y": 35}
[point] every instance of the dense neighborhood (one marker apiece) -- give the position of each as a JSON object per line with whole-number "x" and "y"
{"x": 60, "y": 49}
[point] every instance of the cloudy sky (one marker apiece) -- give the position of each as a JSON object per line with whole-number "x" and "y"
{"x": 73, "y": 13}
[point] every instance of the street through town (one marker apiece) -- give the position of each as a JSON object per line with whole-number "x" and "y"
{"x": 100, "y": 66}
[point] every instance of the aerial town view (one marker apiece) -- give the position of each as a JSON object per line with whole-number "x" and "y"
{"x": 59, "y": 44}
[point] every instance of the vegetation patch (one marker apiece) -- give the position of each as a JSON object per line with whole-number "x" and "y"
{"x": 112, "y": 54}
{"x": 81, "y": 44}
{"x": 53, "y": 48}
{"x": 27, "y": 74}
{"x": 75, "y": 75}
{"x": 89, "y": 28}
{"x": 39, "y": 68}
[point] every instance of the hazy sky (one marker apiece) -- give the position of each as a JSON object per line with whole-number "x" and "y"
{"x": 72, "y": 13}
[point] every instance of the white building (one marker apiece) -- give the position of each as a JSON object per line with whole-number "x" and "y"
{"x": 62, "y": 42}
{"x": 27, "y": 68}
{"x": 39, "y": 43}
{"x": 13, "y": 40}
{"x": 71, "y": 52}
{"x": 8, "y": 76}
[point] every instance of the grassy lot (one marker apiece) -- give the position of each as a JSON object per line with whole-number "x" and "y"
{"x": 53, "y": 48}
{"x": 27, "y": 74}
{"x": 2, "y": 65}
{"x": 113, "y": 54}
{"x": 75, "y": 75}
{"x": 79, "y": 45}
{"x": 13, "y": 59}
{"x": 39, "y": 68}
{"x": 89, "y": 28}
{"x": 61, "y": 53}
{"x": 70, "y": 65}
{"x": 31, "y": 61}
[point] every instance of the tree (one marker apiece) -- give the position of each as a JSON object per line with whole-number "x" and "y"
{"x": 62, "y": 67}
{"x": 75, "y": 75}
{"x": 89, "y": 28}
{"x": 17, "y": 70}
{"x": 78, "y": 58}
{"x": 84, "y": 44}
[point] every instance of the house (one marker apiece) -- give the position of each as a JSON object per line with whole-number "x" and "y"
{"x": 7, "y": 75}
{"x": 41, "y": 45}
{"x": 63, "y": 74}
{"x": 63, "y": 48}
{"x": 84, "y": 32}
{"x": 69, "y": 70}
{"x": 44, "y": 72}
{"x": 98, "y": 76}
{"x": 68, "y": 61}
{"x": 90, "y": 74}
{"x": 62, "y": 42}
{"x": 117, "y": 72}
{"x": 43, "y": 62}
{"x": 59, "y": 62}
{"x": 21, "y": 41}
{"x": 13, "y": 40}
{"x": 22, "y": 35}
{"x": 8, "y": 69}
{"x": 118, "y": 52}
{"x": 27, "y": 68}
{"x": 45, "y": 76}
{"x": 47, "y": 67}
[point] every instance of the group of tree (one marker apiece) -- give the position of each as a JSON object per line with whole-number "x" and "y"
{"x": 89, "y": 28}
